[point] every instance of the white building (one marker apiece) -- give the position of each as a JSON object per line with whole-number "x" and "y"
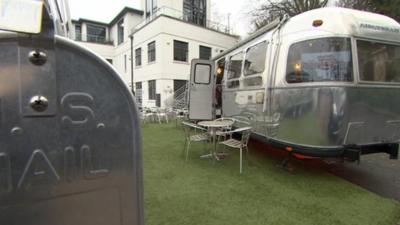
{"x": 163, "y": 39}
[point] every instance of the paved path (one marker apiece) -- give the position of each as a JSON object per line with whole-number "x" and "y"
{"x": 376, "y": 173}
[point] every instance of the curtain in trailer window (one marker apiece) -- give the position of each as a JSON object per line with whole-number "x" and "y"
{"x": 254, "y": 65}
{"x": 255, "y": 59}
{"x": 234, "y": 70}
{"x": 378, "y": 62}
{"x": 235, "y": 66}
{"x": 319, "y": 60}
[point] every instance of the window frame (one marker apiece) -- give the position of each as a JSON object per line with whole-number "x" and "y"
{"x": 151, "y": 52}
{"x": 125, "y": 63}
{"x": 205, "y": 47}
{"x": 137, "y": 86}
{"x": 120, "y": 25}
{"x": 80, "y": 32}
{"x": 356, "y": 62}
{"x": 236, "y": 79}
{"x": 186, "y": 53}
{"x": 138, "y": 57}
{"x": 254, "y": 75}
{"x": 323, "y": 83}
{"x": 209, "y": 77}
{"x": 150, "y": 92}
{"x": 96, "y": 26}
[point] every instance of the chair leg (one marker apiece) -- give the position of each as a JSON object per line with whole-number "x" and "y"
{"x": 184, "y": 147}
{"x": 241, "y": 157}
{"x": 187, "y": 150}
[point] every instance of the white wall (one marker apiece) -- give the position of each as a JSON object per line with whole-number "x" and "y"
{"x": 106, "y": 51}
{"x": 130, "y": 20}
{"x": 164, "y": 31}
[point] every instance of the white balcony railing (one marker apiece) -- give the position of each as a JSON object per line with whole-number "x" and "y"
{"x": 187, "y": 17}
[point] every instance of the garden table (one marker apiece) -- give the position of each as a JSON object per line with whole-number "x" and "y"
{"x": 212, "y": 127}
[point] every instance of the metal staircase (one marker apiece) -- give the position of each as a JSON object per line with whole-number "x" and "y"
{"x": 178, "y": 99}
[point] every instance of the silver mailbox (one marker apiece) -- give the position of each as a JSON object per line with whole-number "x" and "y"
{"x": 70, "y": 151}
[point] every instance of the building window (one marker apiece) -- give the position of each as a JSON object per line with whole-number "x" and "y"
{"x": 138, "y": 85}
{"x": 195, "y": 11}
{"x": 180, "y": 51}
{"x": 138, "y": 57}
{"x": 125, "y": 63}
{"x": 78, "y": 32}
{"x": 151, "y": 7}
{"x": 151, "y": 51}
{"x": 205, "y": 52}
{"x": 96, "y": 33}
{"x": 110, "y": 61}
{"x": 121, "y": 31}
{"x": 152, "y": 89}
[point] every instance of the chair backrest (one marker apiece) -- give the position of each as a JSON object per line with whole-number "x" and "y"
{"x": 186, "y": 126}
{"x": 189, "y": 127}
{"x": 246, "y": 132}
{"x": 242, "y": 120}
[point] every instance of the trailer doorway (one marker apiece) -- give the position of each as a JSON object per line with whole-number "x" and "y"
{"x": 218, "y": 87}
{"x": 201, "y": 90}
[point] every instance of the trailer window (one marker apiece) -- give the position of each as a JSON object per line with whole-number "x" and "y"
{"x": 318, "y": 60}
{"x": 235, "y": 66}
{"x": 378, "y": 62}
{"x": 202, "y": 74}
{"x": 234, "y": 70}
{"x": 255, "y": 59}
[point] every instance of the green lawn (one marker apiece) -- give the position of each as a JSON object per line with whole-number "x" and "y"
{"x": 203, "y": 192}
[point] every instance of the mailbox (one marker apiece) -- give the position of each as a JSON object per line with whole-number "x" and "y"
{"x": 70, "y": 151}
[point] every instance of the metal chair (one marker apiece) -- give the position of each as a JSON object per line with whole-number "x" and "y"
{"x": 148, "y": 115}
{"x": 223, "y": 132}
{"x": 162, "y": 115}
{"x": 179, "y": 116}
{"x": 193, "y": 133}
{"x": 239, "y": 144}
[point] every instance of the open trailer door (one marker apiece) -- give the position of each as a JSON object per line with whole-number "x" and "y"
{"x": 201, "y": 90}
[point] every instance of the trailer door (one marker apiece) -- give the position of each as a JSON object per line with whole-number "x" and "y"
{"x": 201, "y": 90}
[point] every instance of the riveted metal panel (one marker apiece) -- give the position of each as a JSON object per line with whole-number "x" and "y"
{"x": 78, "y": 162}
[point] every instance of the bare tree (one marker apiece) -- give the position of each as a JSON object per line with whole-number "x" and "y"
{"x": 272, "y": 9}
{"x": 386, "y": 7}
{"x": 367, "y": 5}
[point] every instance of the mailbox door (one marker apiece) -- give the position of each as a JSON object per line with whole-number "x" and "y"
{"x": 70, "y": 151}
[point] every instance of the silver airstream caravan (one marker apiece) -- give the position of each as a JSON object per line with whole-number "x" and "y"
{"x": 324, "y": 83}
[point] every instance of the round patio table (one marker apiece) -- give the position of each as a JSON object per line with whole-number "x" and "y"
{"x": 212, "y": 127}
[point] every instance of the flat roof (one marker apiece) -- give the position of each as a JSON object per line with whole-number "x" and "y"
{"x": 171, "y": 17}
{"x": 124, "y": 11}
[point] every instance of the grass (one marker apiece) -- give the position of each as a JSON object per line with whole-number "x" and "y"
{"x": 205, "y": 192}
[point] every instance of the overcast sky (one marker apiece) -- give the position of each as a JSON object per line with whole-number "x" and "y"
{"x": 106, "y": 10}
